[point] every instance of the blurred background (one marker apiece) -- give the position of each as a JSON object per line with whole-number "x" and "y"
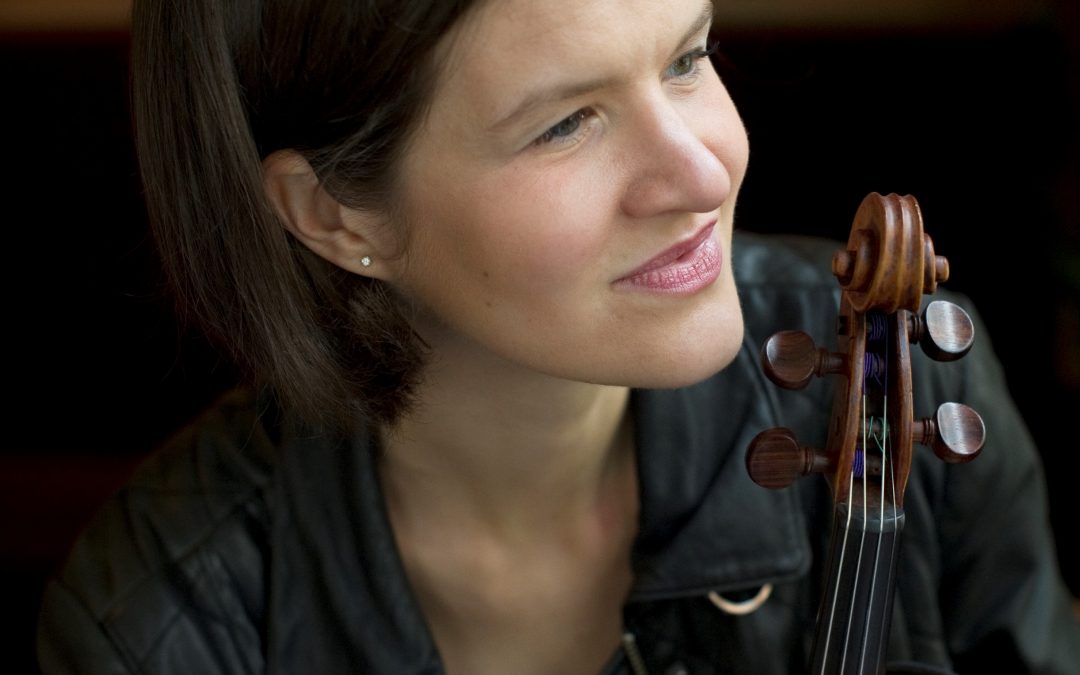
{"x": 970, "y": 105}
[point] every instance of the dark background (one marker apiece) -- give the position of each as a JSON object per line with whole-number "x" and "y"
{"x": 975, "y": 118}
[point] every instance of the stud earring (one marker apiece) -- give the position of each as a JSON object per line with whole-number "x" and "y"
{"x": 366, "y": 261}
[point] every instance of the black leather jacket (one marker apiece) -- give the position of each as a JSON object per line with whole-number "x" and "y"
{"x": 253, "y": 544}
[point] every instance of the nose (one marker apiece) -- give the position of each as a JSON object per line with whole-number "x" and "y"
{"x": 674, "y": 161}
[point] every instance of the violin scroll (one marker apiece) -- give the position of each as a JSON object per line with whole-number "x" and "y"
{"x": 888, "y": 264}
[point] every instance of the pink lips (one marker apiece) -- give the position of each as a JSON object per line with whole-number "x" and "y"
{"x": 683, "y": 269}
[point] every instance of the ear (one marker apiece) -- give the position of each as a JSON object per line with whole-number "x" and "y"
{"x": 344, "y": 236}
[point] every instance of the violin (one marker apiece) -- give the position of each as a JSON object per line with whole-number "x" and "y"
{"x": 885, "y": 269}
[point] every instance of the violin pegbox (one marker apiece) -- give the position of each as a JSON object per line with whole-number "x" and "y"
{"x": 887, "y": 266}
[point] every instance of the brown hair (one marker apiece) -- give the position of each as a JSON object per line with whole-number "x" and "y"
{"x": 220, "y": 84}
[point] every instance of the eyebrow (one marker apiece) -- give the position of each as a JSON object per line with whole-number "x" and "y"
{"x": 571, "y": 90}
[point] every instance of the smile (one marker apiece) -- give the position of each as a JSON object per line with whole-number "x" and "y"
{"x": 684, "y": 269}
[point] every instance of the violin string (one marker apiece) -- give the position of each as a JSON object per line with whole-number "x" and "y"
{"x": 882, "y": 442}
{"x": 836, "y": 587}
{"x": 855, "y": 469}
{"x": 875, "y": 371}
{"x": 862, "y": 537}
{"x": 871, "y": 372}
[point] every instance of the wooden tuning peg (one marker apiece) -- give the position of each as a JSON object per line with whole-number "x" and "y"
{"x": 956, "y": 433}
{"x": 944, "y": 331}
{"x": 775, "y": 459}
{"x": 790, "y": 359}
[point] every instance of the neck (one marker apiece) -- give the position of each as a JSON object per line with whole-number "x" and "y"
{"x": 505, "y": 448}
{"x": 513, "y": 499}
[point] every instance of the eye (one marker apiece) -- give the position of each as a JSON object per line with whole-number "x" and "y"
{"x": 566, "y": 129}
{"x": 687, "y": 65}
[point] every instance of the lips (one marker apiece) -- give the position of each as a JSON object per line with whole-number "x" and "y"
{"x": 685, "y": 268}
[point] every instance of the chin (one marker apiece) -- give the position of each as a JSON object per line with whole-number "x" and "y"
{"x": 693, "y": 371}
{"x": 697, "y": 356}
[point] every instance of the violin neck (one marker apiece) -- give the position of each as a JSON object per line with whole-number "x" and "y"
{"x": 853, "y": 620}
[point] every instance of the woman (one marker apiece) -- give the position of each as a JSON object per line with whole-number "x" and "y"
{"x": 479, "y": 260}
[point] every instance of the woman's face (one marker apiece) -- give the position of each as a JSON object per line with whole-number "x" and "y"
{"x": 568, "y": 199}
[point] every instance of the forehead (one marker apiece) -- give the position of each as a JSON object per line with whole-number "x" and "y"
{"x": 506, "y": 49}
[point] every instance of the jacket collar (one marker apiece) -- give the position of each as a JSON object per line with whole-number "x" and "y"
{"x": 704, "y": 524}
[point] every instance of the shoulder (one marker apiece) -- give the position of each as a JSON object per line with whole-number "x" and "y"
{"x": 783, "y": 260}
{"x": 785, "y": 282}
{"x": 179, "y": 549}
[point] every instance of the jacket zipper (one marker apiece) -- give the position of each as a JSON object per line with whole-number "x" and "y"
{"x": 637, "y": 664}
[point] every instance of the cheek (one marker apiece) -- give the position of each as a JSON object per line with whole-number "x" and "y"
{"x": 538, "y": 233}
